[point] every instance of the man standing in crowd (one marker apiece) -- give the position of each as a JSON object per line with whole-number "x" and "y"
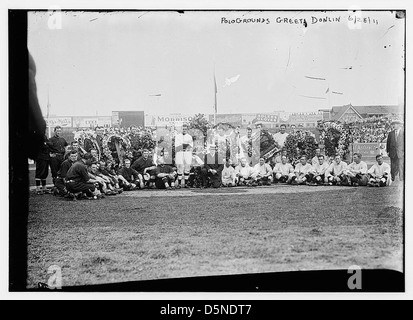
{"x": 395, "y": 150}
{"x": 212, "y": 170}
{"x": 263, "y": 173}
{"x": 42, "y": 167}
{"x": 319, "y": 171}
{"x": 244, "y": 173}
{"x": 335, "y": 173}
{"x": 183, "y": 155}
{"x": 99, "y": 138}
{"x": 281, "y": 136}
{"x": 356, "y": 172}
{"x": 130, "y": 175}
{"x": 57, "y": 146}
{"x": 228, "y": 174}
{"x": 165, "y": 175}
{"x": 145, "y": 167}
{"x": 284, "y": 171}
{"x": 60, "y": 185}
{"x": 77, "y": 178}
{"x": 302, "y": 171}
{"x": 95, "y": 141}
{"x": 249, "y": 148}
{"x": 379, "y": 173}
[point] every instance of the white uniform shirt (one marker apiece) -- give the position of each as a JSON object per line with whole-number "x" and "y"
{"x": 379, "y": 171}
{"x": 245, "y": 172}
{"x": 319, "y": 169}
{"x": 303, "y": 169}
{"x": 182, "y": 139}
{"x": 280, "y": 138}
{"x": 228, "y": 173}
{"x": 358, "y": 168}
{"x": 336, "y": 169}
{"x": 283, "y": 169}
{"x": 264, "y": 170}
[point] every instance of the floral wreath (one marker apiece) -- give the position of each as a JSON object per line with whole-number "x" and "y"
{"x": 125, "y": 144}
{"x": 300, "y": 143}
{"x": 335, "y": 137}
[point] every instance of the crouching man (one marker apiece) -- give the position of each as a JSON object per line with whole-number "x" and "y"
{"x": 60, "y": 182}
{"x": 263, "y": 173}
{"x": 283, "y": 171}
{"x": 319, "y": 171}
{"x": 164, "y": 175}
{"x": 228, "y": 174}
{"x": 356, "y": 173}
{"x": 145, "y": 168}
{"x": 77, "y": 178}
{"x": 303, "y": 172}
{"x": 244, "y": 173}
{"x": 379, "y": 173}
{"x": 130, "y": 176}
{"x": 335, "y": 173}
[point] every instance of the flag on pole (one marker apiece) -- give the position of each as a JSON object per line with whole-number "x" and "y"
{"x": 229, "y": 81}
{"x": 48, "y": 106}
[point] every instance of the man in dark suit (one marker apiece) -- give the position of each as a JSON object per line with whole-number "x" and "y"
{"x": 212, "y": 171}
{"x": 395, "y": 150}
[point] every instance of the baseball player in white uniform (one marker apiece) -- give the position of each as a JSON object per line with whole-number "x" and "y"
{"x": 183, "y": 155}
{"x": 379, "y": 173}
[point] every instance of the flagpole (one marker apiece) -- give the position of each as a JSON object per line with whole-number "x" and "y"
{"x": 329, "y": 96}
{"x": 215, "y": 98}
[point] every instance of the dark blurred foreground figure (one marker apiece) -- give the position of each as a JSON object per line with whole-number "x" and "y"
{"x": 37, "y": 124}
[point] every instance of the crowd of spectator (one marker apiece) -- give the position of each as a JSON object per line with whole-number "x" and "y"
{"x": 375, "y": 129}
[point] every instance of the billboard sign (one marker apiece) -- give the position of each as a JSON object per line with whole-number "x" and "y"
{"x": 231, "y": 118}
{"x": 126, "y": 119}
{"x": 85, "y": 122}
{"x": 164, "y": 120}
{"x": 64, "y": 122}
{"x": 369, "y": 151}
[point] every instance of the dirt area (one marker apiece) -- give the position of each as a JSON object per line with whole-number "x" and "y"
{"x": 143, "y": 235}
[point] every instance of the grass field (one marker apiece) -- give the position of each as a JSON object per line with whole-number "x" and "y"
{"x": 154, "y": 234}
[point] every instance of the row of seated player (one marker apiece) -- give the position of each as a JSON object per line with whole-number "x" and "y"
{"x": 96, "y": 179}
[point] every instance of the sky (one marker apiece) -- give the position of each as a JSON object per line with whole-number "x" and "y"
{"x": 164, "y": 62}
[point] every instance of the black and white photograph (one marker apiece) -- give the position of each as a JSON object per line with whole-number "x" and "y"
{"x": 209, "y": 150}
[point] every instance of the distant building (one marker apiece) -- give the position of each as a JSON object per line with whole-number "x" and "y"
{"x": 350, "y": 113}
